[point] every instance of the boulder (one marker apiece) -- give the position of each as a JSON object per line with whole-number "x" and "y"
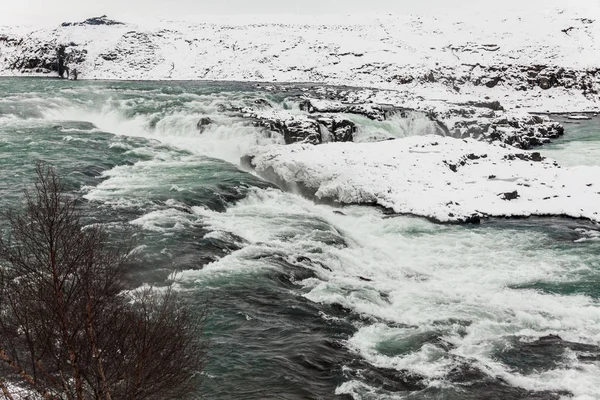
{"x": 293, "y": 128}
{"x": 338, "y": 129}
{"x": 510, "y": 195}
{"x": 204, "y": 123}
{"x": 262, "y": 103}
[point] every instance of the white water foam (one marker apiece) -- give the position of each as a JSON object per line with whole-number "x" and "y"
{"x": 415, "y": 277}
{"x": 228, "y": 138}
{"x": 420, "y": 278}
{"x": 396, "y": 126}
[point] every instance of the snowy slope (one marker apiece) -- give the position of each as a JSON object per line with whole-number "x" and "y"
{"x": 509, "y": 57}
{"x": 445, "y": 179}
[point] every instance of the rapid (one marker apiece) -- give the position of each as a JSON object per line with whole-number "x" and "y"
{"x": 310, "y": 301}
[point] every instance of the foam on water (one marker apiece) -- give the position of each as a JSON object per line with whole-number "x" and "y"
{"x": 396, "y": 126}
{"x": 420, "y": 280}
{"x": 227, "y": 138}
{"x": 410, "y": 279}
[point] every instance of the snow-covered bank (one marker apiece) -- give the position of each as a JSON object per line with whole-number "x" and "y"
{"x": 445, "y": 179}
{"x": 539, "y": 59}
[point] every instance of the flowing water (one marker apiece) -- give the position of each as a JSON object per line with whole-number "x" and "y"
{"x": 309, "y": 301}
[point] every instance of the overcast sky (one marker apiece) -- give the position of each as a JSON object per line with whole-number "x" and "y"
{"x": 50, "y": 12}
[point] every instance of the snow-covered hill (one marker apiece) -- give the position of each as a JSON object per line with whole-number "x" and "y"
{"x": 535, "y": 60}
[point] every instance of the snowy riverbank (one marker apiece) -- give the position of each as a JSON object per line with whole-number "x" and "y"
{"x": 539, "y": 60}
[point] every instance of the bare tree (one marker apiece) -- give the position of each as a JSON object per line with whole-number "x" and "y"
{"x": 69, "y": 328}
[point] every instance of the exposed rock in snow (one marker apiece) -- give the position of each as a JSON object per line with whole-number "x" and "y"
{"x": 515, "y": 128}
{"x": 371, "y": 111}
{"x": 295, "y": 128}
{"x": 479, "y": 120}
{"x": 444, "y": 179}
{"x": 103, "y": 20}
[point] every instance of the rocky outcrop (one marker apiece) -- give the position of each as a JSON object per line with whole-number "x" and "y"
{"x": 204, "y": 123}
{"x": 337, "y": 129}
{"x": 482, "y": 120}
{"x": 294, "y": 128}
{"x": 262, "y": 103}
{"x": 514, "y": 77}
{"x": 371, "y": 111}
{"x": 44, "y": 58}
{"x": 323, "y": 119}
{"x": 103, "y": 20}
{"x": 520, "y": 130}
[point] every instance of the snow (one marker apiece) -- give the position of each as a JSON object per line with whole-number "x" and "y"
{"x": 361, "y": 50}
{"x": 416, "y": 176}
{"x": 429, "y": 63}
{"x": 579, "y": 117}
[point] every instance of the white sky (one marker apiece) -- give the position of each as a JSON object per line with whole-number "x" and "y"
{"x": 52, "y": 12}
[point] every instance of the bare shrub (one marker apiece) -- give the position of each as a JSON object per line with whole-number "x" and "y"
{"x": 69, "y": 328}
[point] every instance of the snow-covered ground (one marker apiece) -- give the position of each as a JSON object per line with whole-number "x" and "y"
{"x": 445, "y": 179}
{"x": 510, "y": 57}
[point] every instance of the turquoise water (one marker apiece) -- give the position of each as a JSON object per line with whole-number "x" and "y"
{"x": 581, "y": 145}
{"x": 305, "y": 302}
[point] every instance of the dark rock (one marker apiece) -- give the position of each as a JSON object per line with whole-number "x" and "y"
{"x": 204, "y": 123}
{"x": 112, "y": 56}
{"x": 544, "y": 82}
{"x": 103, "y": 20}
{"x": 535, "y": 157}
{"x": 452, "y": 167}
{"x": 493, "y": 82}
{"x": 473, "y": 219}
{"x": 60, "y": 55}
{"x": 293, "y": 130}
{"x": 430, "y": 77}
{"x": 300, "y": 131}
{"x": 262, "y": 103}
{"x": 510, "y": 195}
{"x": 339, "y": 129}
{"x": 374, "y": 112}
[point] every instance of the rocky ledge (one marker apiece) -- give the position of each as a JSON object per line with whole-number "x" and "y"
{"x": 330, "y": 115}
{"x": 444, "y": 179}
